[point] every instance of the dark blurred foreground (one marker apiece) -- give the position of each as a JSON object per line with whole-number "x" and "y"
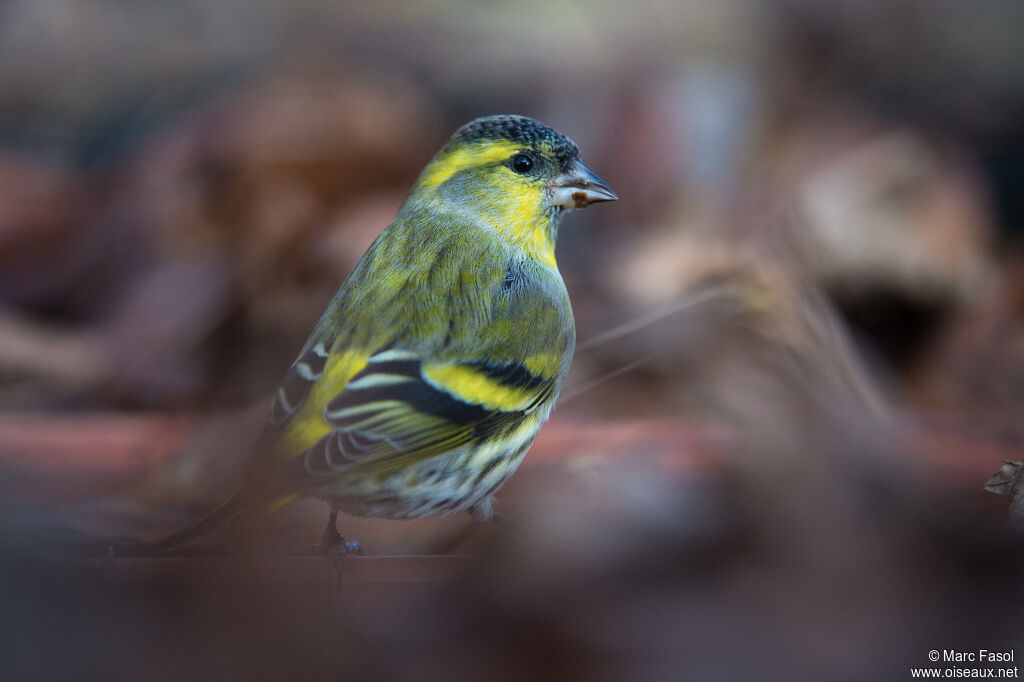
{"x": 822, "y": 568}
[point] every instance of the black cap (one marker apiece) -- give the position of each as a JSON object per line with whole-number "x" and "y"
{"x": 521, "y": 130}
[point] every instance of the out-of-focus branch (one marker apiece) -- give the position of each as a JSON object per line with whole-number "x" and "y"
{"x": 31, "y": 348}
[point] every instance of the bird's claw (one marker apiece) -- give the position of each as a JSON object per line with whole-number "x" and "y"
{"x": 337, "y": 544}
{"x": 353, "y": 547}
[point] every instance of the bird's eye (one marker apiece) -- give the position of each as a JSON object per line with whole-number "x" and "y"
{"x": 522, "y": 164}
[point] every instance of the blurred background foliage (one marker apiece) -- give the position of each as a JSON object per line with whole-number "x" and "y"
{"x": 801, "y": 329}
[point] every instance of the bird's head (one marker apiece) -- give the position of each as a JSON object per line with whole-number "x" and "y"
{"x": 515, "y": 174}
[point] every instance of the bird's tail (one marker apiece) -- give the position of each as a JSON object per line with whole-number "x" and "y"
{"x": 232, "y": 509}
{"x": 245, "y": 504}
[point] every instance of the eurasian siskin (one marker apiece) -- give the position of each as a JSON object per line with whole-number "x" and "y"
{"x": 436, "y": 363}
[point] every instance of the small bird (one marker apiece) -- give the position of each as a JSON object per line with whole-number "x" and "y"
{"x": 436, "y": 363}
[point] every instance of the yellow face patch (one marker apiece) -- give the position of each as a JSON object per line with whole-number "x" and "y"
{"x": 515, "y": 206}
{"x": 453, "y": 159}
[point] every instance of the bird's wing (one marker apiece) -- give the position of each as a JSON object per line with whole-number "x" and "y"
{"x": 427, "y": 361}
{"x": 400, "y": 409}
{"x": 299, "y": 380}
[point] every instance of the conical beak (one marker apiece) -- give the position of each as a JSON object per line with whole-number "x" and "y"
{"x": 578, "y": 187}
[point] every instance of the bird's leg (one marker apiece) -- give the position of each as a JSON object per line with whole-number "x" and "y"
{"x": 333, "y": 541}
